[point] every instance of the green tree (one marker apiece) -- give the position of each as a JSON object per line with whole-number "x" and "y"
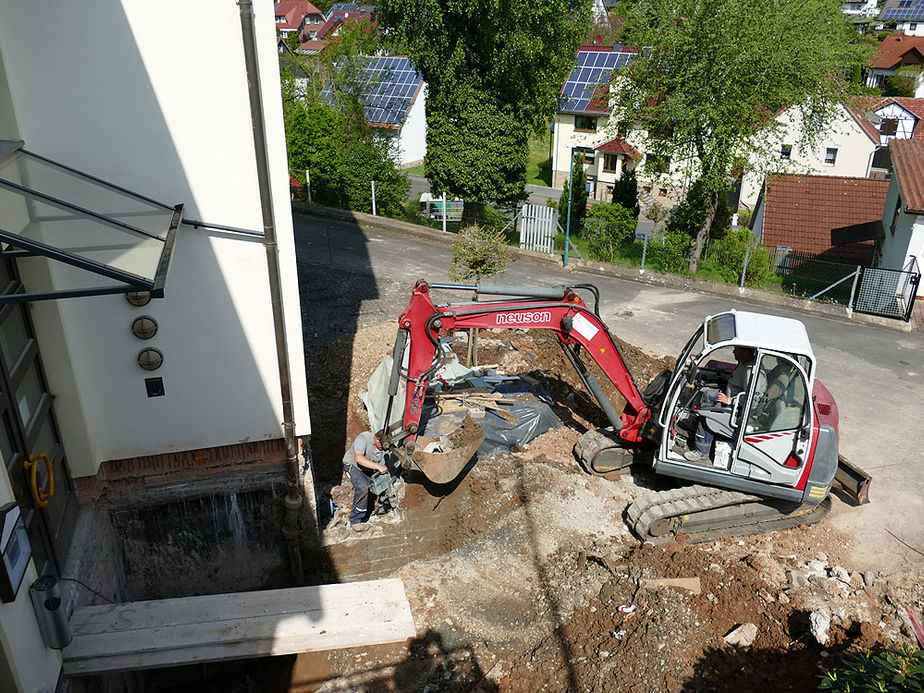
{"x": 903, "y": 82}
{"x": 625, "y": 192}
{"x": 715, "y": 72}
{"x": 578, "y": 200}
{"x": 493, "y": 72}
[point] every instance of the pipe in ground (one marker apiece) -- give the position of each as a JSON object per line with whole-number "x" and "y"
{"x": 294, "y": 498}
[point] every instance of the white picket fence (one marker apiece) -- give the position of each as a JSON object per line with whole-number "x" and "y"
{"x": 537, "y": 228}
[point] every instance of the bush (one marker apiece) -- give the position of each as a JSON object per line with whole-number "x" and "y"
{"x": 896, "y": 669}
{"x": 478, "y": 252}
{"x": 744, "y": 218}
{"x": 607, "y": 227}
{"x": 671, "y": 253}
{"x": 728, "y": 254}
{"x": 625, "y": 192}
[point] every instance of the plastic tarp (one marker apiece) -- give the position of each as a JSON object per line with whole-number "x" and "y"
{"x": 528, "y": 418}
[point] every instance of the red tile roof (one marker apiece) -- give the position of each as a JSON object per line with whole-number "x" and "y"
{"x": 892, "y": 52}
{"x": 314, "y": 46}
{"x": 860, "y": 106}
{"x": 908, "y": 167}
{"x": 800, "y": 211}
{"x": 618, "y": 145}
{"x": 294, "y": 11}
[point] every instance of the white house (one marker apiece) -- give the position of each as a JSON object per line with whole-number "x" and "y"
{"x": 860, "y": 8}
{"x": 903, "y": 218}
{"x": 906, "y": 15}
{"x": 853, "y": 144}
{"x": 124, "y": 398}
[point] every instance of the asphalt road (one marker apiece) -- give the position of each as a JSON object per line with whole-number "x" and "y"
{"x": 351, "y": 279}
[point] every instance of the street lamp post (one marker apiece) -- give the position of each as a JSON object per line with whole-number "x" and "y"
{"x": 571, "y": 147}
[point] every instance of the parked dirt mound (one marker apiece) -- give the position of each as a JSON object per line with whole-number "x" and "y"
{"x": 535, "y": 583}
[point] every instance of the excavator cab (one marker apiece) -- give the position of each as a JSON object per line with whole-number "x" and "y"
{"x": 764, "y": 365}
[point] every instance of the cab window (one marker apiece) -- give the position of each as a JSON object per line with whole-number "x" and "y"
{"x": 779, "y": 397}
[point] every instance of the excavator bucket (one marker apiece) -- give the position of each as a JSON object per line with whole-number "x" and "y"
{"x": 443, "y": 466}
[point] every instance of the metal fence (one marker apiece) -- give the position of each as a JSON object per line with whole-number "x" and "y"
{"x": 872, "y": 290}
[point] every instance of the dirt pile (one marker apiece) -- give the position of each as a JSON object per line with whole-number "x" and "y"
{"x": 536, "y": 583}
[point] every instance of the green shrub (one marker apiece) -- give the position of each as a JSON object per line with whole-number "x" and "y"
{"x": 728, "y": 255}
{"x": 625, "y": 192}
{"x": 744, "y": 218}
{"x": 671, "y": 253}
{"x": 578, "y": 200}
{"x": 896, "y": 669}
{"x": 607, "y": 227}
{"x": 478, "y": 252}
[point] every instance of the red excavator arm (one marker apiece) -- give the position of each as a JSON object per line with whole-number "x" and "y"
{"x": 558, "y": 309}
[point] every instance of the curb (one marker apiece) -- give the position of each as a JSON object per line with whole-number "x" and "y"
{"x": 649, "y": 277}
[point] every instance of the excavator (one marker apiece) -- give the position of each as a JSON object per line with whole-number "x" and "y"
{"x": 772, "y": 451}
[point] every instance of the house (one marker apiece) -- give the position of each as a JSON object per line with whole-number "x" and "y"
{"x": 902, "y": 245}
{"x": 138, "y": 326}
{"x": 297, "y": 17}
{"x": 852, "y": 144}
{"x": 394, "y": 101}
{"x": 582, "y": 119}
{"x": 798, "y": 213}
{"x": 907, "y": 16}
{"x": 895, "y": 51}
{"x": 340, "y": 14}
{"x": 312, "y": 47}
{"x": 860, "y": 8}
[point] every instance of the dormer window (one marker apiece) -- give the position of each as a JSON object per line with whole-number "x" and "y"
{"x": 888, "y": 127}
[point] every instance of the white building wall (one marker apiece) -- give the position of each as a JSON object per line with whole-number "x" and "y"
{"x": 147, "y": 100}
{"x": 854, "y": 152}
{"x": 907, "y": 241}
{"x": 26, "y": 664}
{"x": 911, "y": 28}
{"x": 412, "y": 142}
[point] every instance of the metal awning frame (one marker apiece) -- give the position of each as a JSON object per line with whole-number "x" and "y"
{"x": 130, "y": 282}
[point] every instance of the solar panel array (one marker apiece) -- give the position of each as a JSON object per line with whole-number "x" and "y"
{"x": 390, "y": 85}
{"x": 913, "y": 11}
{"x": 593, "y": 69}
{"x": 344, "y": 7}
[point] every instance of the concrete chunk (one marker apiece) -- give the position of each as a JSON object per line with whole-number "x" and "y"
{"x": 741, "y": 636}
{"x": 691, "y": 584}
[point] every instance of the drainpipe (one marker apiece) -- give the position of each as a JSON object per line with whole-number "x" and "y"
{"x": 294, "y": 499}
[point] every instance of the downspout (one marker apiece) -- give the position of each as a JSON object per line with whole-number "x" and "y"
{"x": 294, "y": 499}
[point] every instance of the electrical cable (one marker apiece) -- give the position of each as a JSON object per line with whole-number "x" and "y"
{"x": 86, "y": 586}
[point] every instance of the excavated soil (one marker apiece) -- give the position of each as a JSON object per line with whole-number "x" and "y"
{"x": 536, "y": 584}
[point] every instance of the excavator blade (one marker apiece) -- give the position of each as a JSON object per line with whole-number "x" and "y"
{"x": 444, "y": 467}
{"x": 852, "y": 480}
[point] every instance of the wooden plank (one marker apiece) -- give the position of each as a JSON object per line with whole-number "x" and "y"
{"x": 238, "y": 625}
{"x": 146, "y": 614}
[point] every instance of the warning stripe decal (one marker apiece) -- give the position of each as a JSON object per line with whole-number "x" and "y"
{"x": 768, "y": 436}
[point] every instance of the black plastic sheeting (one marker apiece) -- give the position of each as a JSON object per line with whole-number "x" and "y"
{"x": 529, "y": 417}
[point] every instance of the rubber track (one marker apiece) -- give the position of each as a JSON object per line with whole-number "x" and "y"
{"x": 692, "y": 500}
{"x": 592, "y": 443}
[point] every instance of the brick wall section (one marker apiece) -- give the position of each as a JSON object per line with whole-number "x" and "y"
{"x": 118, "y": 477}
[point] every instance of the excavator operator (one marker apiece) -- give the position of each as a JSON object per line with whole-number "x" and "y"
{"x": 737, "y": 383}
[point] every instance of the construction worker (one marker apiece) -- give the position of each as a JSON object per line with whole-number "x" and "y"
{"x": 364, "y": 458}
{"x": 737, "y": 383}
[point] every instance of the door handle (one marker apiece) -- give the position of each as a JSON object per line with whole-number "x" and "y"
{"x": 41, "y": 497}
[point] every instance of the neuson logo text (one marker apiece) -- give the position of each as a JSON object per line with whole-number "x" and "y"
{"x": 524, "y": 318}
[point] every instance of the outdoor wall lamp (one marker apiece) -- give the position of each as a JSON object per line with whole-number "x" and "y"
{"x": 144, "y": 327}
{"x": 138, "y": 298}
{"x": 150, "y": 359}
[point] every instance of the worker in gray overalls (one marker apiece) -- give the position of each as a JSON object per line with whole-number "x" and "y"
{"x": 364, "y": 458}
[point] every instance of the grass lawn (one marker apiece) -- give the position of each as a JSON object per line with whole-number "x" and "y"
{"x": 417, "y": 170}
{"x": 539, "y": 165}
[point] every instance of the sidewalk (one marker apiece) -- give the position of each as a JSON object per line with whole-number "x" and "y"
{"x": 650, "y": 277}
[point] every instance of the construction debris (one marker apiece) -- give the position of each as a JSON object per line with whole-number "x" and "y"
{"x": 741, "y": 636}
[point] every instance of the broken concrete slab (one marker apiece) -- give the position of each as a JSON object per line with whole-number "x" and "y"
{"x": 741, "y": 636}
{"x": 690, "y": 584}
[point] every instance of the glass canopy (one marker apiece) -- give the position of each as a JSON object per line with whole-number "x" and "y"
{"x": 98, "y": 237}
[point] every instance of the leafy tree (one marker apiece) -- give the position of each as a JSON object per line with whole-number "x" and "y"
{"x": 578, "y": 200}
{"x": 903, "y": 82}
{"x": 625, "y": 192}
{"x": 728, "y": 254}
{"x": 493, "y": 72}
{"x": 714, "y": 73}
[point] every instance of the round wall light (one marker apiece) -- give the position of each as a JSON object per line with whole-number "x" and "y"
{"x": 150, "y": 359}
{"x": 144, "y": 327}
{"x": 138, "y": 298}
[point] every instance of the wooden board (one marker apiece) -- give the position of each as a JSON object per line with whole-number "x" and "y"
{"x": 240, "y": 625}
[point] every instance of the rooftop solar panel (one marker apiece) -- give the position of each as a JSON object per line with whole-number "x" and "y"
{"x": 592, "y": 70}
{"x": 907, "y": 9}
{"x": 391, "y": 84}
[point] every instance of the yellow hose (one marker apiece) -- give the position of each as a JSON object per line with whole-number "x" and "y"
{"x": 40, "y": 497}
